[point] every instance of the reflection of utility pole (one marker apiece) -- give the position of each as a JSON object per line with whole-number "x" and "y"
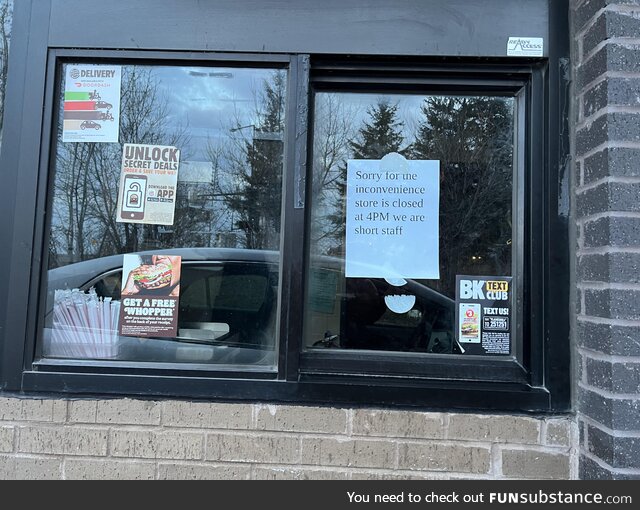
{"x": 253, "y": 138}
{"x": 256, "y": 134}
{"x": 233, "y": 130}
{"x": 260, "y": 135}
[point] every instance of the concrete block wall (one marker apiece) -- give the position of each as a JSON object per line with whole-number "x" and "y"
{"x": 146, "y": 439}
{"x": 606, "y": 58}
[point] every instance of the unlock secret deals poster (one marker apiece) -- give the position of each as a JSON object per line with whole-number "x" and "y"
{"x": 148, "y": 184}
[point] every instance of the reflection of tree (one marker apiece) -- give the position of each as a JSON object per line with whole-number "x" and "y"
{"x": 379, "y": 135}
{"x": 143, "y": 120}
{"x": 191, "y": 221}
{"x": 223, "y": 159}
{"x": 473, "y": 139}
{"x": 256, "y": 191}
{"x": 332, "y": 131}
{"x": 5, "y": 31}
{"x": 73, "y": 194}
{"x": 86, "y": 191}
{"x": 239, "y": 191}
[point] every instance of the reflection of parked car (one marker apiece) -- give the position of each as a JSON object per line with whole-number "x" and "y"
{"x": 374, "y": 314}
{"x": 102, "y": 104}
{"x": 227, "y": 305}
{"x": 89, "y": 124}
{"x": 227, "y": 308}
{"x": 427, "y": 327}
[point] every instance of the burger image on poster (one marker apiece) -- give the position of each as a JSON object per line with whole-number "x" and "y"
{"x": 155, "y": 273}
{"x": 153, "y": 276}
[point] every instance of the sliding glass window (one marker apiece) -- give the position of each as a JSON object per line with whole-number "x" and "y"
{"x": 165, "y": 204}
{"x": 410, "y": 191}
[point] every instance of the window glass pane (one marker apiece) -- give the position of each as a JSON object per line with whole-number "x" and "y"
{"x": 228, "y": 124}
{"x": 472, "y": 137}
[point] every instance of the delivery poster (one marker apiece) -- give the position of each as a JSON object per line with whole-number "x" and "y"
{"x": 483, "y": 314}
{"x": 148, "y": 184}
{"x": 149, "y": 297}
{"x": 91, "y": 106}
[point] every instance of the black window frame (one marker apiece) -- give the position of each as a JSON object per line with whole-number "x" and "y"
{"x": 541, "y": 385}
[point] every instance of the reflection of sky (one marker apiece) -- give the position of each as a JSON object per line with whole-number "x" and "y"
{"x": 409, "y": 111}
{"x": 209, "y": 101}
{"x": 408, "y": 108}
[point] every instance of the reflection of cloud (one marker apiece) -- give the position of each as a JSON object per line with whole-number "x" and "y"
{"x": 206, "y": 101}
{"x": 205, "y": 96}
{"x": 195, "y": 172}
{"x": 223, "y": 93}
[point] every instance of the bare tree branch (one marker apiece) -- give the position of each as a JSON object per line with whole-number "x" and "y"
{"x": 6, "y": 12}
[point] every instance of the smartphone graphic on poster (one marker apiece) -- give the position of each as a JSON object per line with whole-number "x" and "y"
{"x": 134, "y": 193}
{"x": 469, "y": 323}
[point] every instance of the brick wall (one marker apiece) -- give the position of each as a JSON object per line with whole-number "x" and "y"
{"x": 138, "y": 439}
{"x": 606, "y": 56}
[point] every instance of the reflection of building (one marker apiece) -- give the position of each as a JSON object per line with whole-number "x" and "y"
{"x": 258, "y": 195}
{"x": 201, "y": 194}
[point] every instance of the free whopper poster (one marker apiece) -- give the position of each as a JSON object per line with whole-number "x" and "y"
{"x": 150, "y": 293}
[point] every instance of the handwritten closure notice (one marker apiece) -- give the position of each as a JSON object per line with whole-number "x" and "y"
{"x": 392, "y": 218}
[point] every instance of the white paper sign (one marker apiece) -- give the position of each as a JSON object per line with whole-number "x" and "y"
{"x": 392, "y": 218}
{"x": 91, "y": 109}
{"x": 525, "y": 47}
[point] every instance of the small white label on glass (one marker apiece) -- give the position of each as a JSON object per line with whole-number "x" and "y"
{"x": 525, "y": 47}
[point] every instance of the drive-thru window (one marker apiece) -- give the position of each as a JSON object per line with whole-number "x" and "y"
{"x": 332, "y": 206}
